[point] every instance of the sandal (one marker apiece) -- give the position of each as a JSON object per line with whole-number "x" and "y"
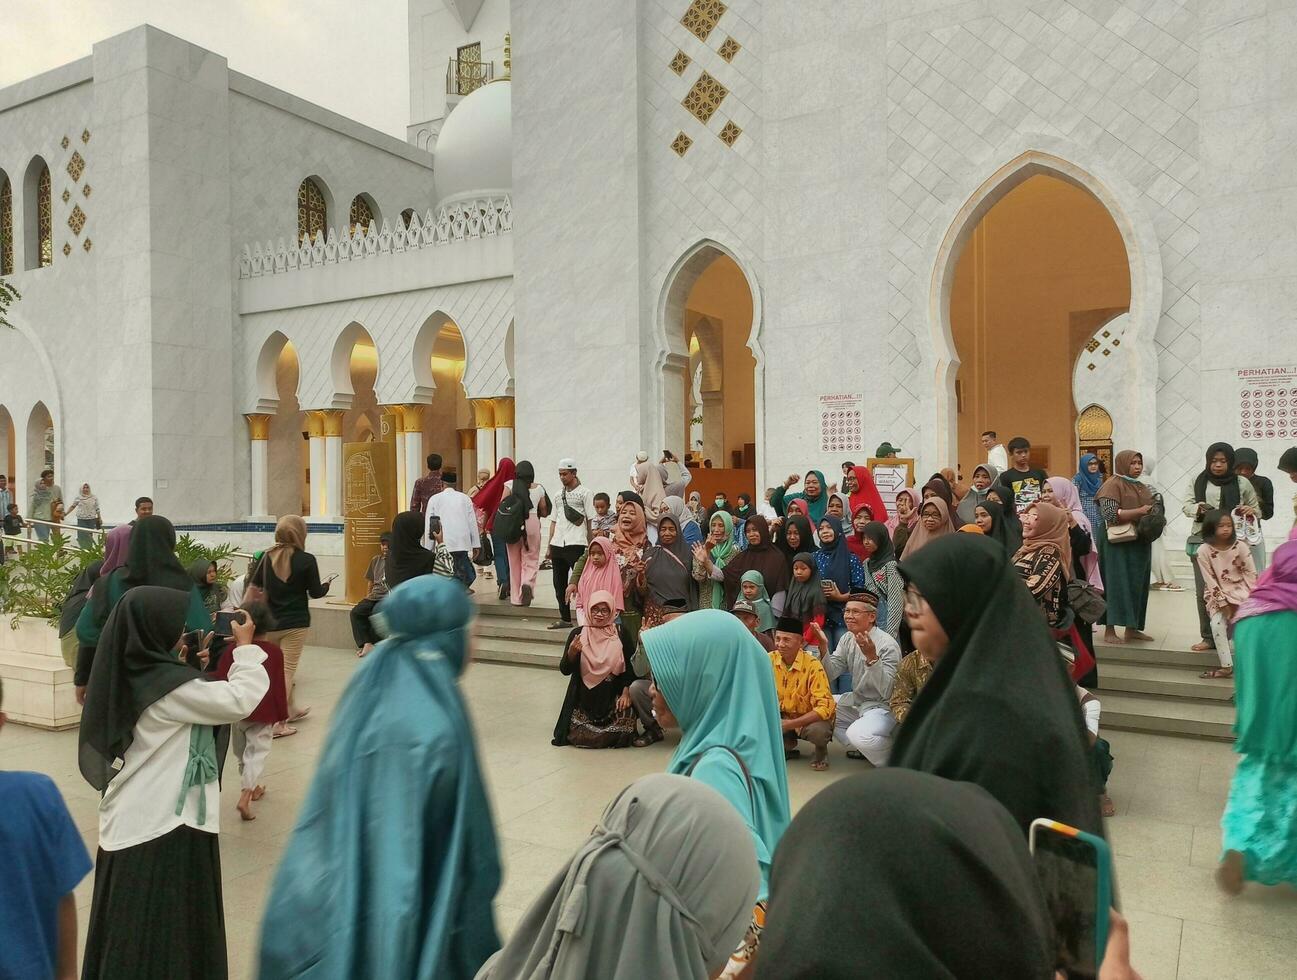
{"x": 820, "y": 765}
{"x": 300, "y": 714}
{"x": 283, "y": 731}
{"x": 1218, "y": 673}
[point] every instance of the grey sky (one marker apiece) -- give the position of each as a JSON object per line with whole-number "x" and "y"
{"x": 350, "y": 56}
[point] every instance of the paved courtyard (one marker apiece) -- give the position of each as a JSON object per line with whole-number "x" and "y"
{"x": 1169, "y": 794}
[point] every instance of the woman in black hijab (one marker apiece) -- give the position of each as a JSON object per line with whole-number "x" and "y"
{"x": 999, "y": 709}
{"x": 972, "y": 858}
{"x": 151, "y": 560}
{"x": 995, "y": 527}
{"x": 1217, "y": 486}
{"x": 75, "y": 601}
{"x": 802, "y": 539}
{"x": 148, "y": 742}
{"x": 407, "y": 558}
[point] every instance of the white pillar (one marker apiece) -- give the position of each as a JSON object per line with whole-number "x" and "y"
{"x": 503, "y": 430}
{"x": 333, "y": 465}
{"x": 319, "y": 471}
{"x": 259, "y": 457}
{"x": 484, "y": 421}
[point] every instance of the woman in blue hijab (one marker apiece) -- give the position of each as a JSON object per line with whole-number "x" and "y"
{"x": 393, "y": 864}
{"x": 713, "y": 681}
{"x": 1089, "y": 478}
{"x": 841, "y": 574}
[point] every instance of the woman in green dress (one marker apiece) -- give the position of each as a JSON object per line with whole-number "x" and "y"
{"x": 1259, "y": 827}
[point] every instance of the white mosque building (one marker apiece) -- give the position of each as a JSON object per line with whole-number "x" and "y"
{"x": 690, "y": 224}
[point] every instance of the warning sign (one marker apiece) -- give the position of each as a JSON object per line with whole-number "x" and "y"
{"x": 842, "y": 423}
{"x": 1267, "y": 403}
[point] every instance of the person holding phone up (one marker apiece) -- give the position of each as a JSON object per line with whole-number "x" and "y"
{"x": 290, "y": 576}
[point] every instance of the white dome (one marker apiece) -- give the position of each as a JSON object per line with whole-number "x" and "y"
{"x": 474, "y": 152}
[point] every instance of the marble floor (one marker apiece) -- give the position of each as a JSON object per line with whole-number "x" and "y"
{"x": 1169, "y": 794}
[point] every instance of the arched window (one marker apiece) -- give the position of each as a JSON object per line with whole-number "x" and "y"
{"x": 45, "y": 218}
{"x": 312, "y": 211}
{"x": 38, "y": 216}
{"x": 407, "y": 216}
{"x": 6, "y": 225}
{"x": 362, "y": 215}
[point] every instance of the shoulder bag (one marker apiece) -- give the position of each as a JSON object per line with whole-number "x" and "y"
{"x": 255, "y": 592}
{"x": 571, "y": 513}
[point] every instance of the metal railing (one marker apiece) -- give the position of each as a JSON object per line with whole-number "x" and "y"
{"x": 466, "y": 77}
{"x": 71, "y": 543}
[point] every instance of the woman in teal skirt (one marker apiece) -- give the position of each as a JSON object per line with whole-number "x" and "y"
{"x": 1123, "y": 500}
{"x": 1260, "y": 822}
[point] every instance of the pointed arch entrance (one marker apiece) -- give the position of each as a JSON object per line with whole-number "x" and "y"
{"x": 1041, "y": 254}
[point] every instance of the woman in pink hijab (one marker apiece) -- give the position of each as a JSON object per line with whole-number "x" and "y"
{"x": 1061, "y": 492}
{"x": 597, "y": 711}
{"x": 600, "y": 573}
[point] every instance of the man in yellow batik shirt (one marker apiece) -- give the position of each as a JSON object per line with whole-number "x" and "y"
{"x": 806, "y": 707}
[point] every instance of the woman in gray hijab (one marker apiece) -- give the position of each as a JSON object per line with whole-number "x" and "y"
{"x": 663, "y": 888}
{"x": 982, "y": 481}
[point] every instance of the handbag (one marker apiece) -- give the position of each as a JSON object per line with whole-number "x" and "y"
{"x": 571, "y": 513}
{"x": 1122, "y": 533}
{"x": 1152, "y": 524}
{"x": 1087, "y": 602}
{"x": 254, "y": 592}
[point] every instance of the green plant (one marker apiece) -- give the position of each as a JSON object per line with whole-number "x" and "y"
{"x": 35, "y": 581}
{"x": 8, "y": 296}
{"x": 190, "y": 551}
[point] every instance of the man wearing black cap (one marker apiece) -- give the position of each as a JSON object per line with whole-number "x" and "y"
{"x": 376, "y": 575}
{"x": 872, "y": 658}
{"x": 806, "y": 707}
{"x": 1245, "y": 464}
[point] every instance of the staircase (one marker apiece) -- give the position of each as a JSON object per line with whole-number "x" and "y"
{"x": 1144, "y": 687}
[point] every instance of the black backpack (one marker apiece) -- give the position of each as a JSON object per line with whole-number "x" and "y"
{"x": 511, "y": 519}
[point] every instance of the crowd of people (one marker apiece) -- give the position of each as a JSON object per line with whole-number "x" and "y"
{"x": 924, "y": 639}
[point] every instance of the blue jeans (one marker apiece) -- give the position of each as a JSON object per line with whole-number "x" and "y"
{"x": 501, "y": 557}
{"x": 42, "y": 531}
{"x": 464, "y": 570}
{"x": 85, "y": 537}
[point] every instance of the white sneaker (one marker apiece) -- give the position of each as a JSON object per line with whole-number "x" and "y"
{"x": 1240, "y": 525}
{"x": 1252, "y": 530}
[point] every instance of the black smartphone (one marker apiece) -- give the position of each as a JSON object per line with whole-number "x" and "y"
{"x": 224, "y": 621}
{"x": 1075, "y": 870}
{"x": 192, "y": 641}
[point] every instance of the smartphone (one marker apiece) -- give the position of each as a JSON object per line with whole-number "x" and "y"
{"x": 1075, "y": 871}
{"x": 192, "y": 641}
{"x": 225, "y": 621}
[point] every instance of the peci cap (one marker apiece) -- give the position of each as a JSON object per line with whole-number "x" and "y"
{"x": 868, "y": 598}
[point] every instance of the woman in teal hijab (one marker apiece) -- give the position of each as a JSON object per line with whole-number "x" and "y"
{"x": 815, "y": 493}
{"x": 710, "y": 558}
{"x": 393, "y": 864}
{"x": 713, "y": 681}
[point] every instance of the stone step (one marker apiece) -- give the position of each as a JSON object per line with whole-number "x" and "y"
{"x": 1169, "y": 682}
{"x": 523, "y": 653}
{"x": 504, "y": 628}
{"x": 1143, "y": 653}
{"x": 1167, "y": 716}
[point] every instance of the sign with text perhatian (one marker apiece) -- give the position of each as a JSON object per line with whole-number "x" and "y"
{"x": 842, "y": 423}
{"x": 1267, "y": 403}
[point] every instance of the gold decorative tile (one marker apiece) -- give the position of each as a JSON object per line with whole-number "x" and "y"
{"x": 1116, "y": 342}
{"x": 729, "y": 49}
{"x": 86, "y": 244}
{"x": 67, "y": 249}
{"x": 85, "y": 136}
{"x": 67, "y": 195}
{"x": 729, "y": 133}
{"x": 681, "y": 144}
{"x": 1092, "y": 346}
{"x": 1106, "y": 352}
{"x": 705, "y": 97}
{"x": 702, "y": 16}
{"x": 1089, "y": 367}
{"x": 77, "y": 219}
{"x": 65, "y": 142}
{"x": 1106, "y": 334}
{"x": 85, "y": 191}
{"x": 76, "y": 166}
{"x": 680, "y": 62}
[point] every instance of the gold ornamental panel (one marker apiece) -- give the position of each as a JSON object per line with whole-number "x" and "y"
{"x": 681, "y": 144}
{"x": 705, "y": 97}
{"x": 333, "y": 421}
{"x": 258, "y": 427}
{"x": 728, "y": 49}
{"x": 679, "y": 63}
{"x": 503, "y": 412}
{"x": 76, "y": 166}
{"x": 729, "y": 133}
{"x": 1094, "y": 425}
{"x": 483, "y": 413}
{"x": 702, "y": 17}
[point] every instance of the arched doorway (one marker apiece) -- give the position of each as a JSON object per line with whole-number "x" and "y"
{"x": 1094, "y": 435}
{"x": 710, "y": 372}
{"x": 441, "y": 359}
{"x": 363, "y": 417}
{"x": 1043, "y": 266}
{"x": 8, "y": 448}
{"x": 40, "y": 450}
{"x": 288, "y": 454}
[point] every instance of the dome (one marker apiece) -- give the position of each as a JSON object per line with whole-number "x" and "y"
{"x": 474, "y": 151}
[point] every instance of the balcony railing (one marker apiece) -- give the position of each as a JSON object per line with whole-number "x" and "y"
{"x": 466, "y": 77}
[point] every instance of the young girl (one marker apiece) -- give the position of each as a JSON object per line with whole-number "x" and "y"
{"x": 753, "y": 585}
{"x": 598, "y": 571}
{"x": 805, "y": 599}
{"x": 251, "y": 738}
{"x": 1228, "y": 576}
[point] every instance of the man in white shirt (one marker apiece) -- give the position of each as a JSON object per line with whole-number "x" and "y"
{"x": 864, "y": 721}
{"x": 568, "y": 538}
{"x": 996, "y": 454}
{"x": 458, "y": 525}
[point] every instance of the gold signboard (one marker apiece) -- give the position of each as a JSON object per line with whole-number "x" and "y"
{"x": 369, "y": 505}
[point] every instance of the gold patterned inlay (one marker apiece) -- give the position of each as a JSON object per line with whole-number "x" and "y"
{"x": 681, "y": 144}
{"x": 67, "y": 195}
{"x": 67, "y": 249}
{"x": 85, "y": 191}
{"x": 705, "y": 97}
{"x": 679, "y": 63}
{"x": 85, "y": 136}
{"x": 65, "y": 142}
{"x": 702, "y": 16}
{"x": 77, "y": 219}
{"x": 729, "y": 49}
{"x": 729, "y": 133}
{"x": 76, "y": 166}
{"x": 86, "y": 244}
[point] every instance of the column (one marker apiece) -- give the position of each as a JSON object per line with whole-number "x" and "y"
{"x": 503, "y": 427}
{"x": 415, "y": 457}
{"x": 484, "y": 419}
{"x": 333, "y": 464}
{"x": 315, "y": 433}
{"x": 259, "y": 434}
{"x": 714, "y": 429}
{"x": 467, "y": 458}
